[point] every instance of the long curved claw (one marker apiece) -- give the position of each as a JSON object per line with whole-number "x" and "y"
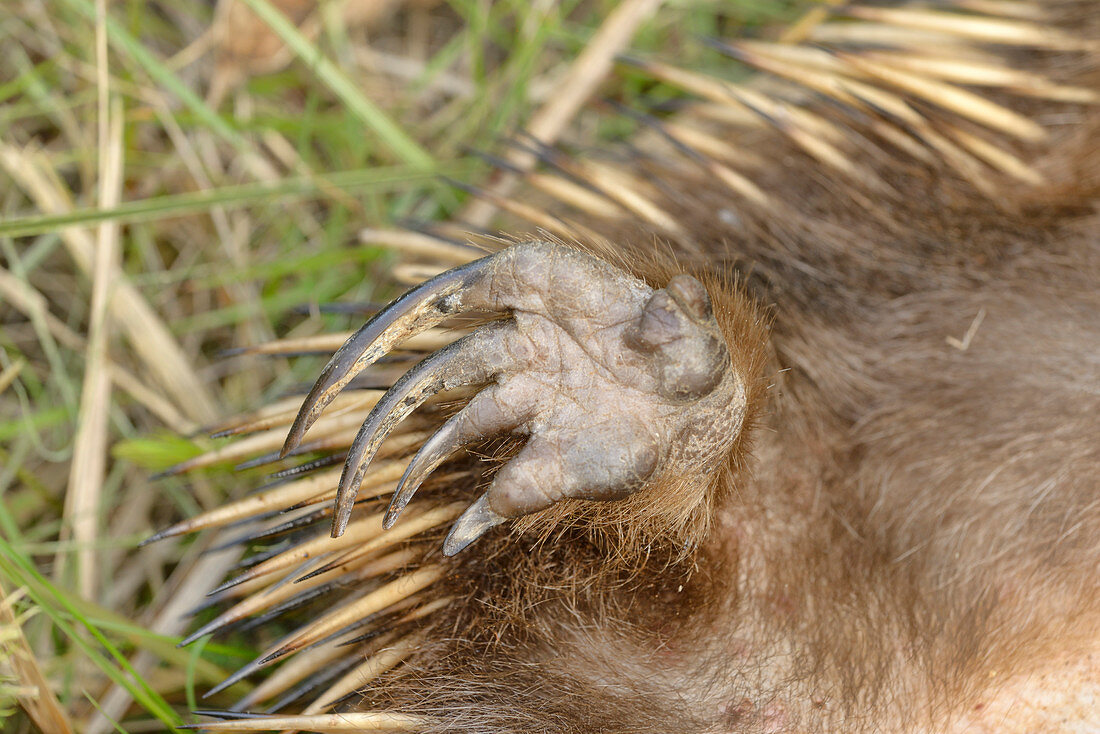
{"x": 492, "y": 411}
{"x": 473, "y": 359}
{"x": 421, "y": 308}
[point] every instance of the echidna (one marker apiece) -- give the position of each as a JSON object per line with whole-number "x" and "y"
{"x": 784, "y": 419}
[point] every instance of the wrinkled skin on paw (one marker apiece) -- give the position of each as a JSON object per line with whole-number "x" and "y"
{"x": 613, "y": 384}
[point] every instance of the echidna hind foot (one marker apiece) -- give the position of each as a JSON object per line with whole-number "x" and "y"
{"x": 616, "y": 388}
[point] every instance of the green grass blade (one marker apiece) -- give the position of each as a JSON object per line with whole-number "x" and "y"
{"x": 51, "y": 600}
{"x": 402, "y": 146}
{"x": 129, "y": 46}
{"x": 375, "y": 179}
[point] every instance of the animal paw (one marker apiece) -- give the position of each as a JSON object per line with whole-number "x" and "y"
{"x": 614, "y": 384}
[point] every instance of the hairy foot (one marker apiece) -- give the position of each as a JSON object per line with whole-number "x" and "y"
{"x": 613, "y": 383}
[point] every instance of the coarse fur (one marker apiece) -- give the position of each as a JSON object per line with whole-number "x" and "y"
{"x": 906, "y": 533}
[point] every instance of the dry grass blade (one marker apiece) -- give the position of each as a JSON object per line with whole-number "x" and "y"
{"x": 147, "y": 333}
{"x": 153, "y": 401}
{"x": 188, "y": 582}
{"x": 89, "y": 462}
{"x": 32, "y": 304}
{"x": 35, "y": 691}
{"x": 800, "y": 29}
{"x": 332, "y": 76}
{"x": 533, "y": 214}
{"x": 8, "y": 375}
{"x": 410, "y": 274}
{"x": 19, "y": 294}
{"x": 575, "y": 88}
{"x": 176, "y": 278}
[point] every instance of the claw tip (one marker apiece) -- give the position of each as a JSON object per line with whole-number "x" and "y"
{"x": 339, "y": 523}
{"x": 474, "y": 522}
{"x": 291, "y": 441}
{"x": 392, "y": 513}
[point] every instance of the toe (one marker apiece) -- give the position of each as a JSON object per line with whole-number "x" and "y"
{"x": 495, "y": 410}
{"x": 605, "y": 462}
